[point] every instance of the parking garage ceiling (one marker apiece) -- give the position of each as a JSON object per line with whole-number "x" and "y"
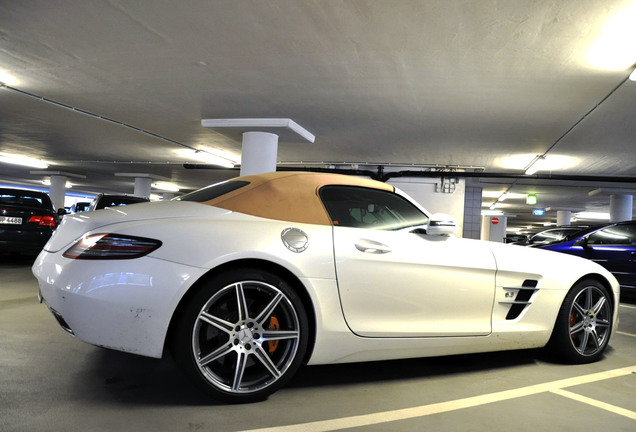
{"x": 99, "y": 87}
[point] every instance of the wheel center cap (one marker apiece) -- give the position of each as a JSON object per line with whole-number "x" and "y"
{"x": 245, "y": 336}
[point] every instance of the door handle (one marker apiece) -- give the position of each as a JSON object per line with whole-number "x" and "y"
{"x": 371, "y": 246}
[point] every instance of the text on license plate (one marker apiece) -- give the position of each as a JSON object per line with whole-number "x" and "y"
{"x": 10, "y": 220}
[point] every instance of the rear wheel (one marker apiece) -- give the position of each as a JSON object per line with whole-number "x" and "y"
{"x": 242, "y": 336}
{"x": 584, "y": 323}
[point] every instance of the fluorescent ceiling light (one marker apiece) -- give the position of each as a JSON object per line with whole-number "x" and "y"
{"x": 165, "y": 186}
{"x": 492, "y": 213}
{"x": 47, "y": 182}
{"x": 537, "y": 164}
{"x": 550, "y": 162}
{"x": 593, "y": 215}
{"x": 22, "y": 160}
{"x": 615, "y": 49}
{"x": 633, "y": 75}
{"x": 211, "y": 156}
{"x": 491, "y": 194}
{"x": 7, "y": 79}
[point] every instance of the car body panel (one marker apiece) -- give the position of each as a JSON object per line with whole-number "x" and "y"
{"x": 417, "y": 285}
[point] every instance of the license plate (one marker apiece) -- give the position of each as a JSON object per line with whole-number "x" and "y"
{"x": 10, "y": 220}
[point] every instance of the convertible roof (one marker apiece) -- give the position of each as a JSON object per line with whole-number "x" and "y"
{"x": 289, "y": 195}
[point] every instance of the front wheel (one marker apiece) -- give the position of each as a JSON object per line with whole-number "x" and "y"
{"x": 242, "y": 336}
{"x": 584, "y": 323}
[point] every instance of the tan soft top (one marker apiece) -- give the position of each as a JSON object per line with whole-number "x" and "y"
{"x": 289, "y": 196}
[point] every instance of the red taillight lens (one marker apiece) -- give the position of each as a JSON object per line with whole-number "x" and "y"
{"x": 43, "y": 220}
{"x": 111, "y": 246}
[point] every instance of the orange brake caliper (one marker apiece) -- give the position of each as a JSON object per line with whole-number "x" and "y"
{"x": 273, "y": 325}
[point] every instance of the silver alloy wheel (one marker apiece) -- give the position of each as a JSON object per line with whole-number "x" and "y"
{"x": 245, "y": 337}
{"x": 590, "y": 320}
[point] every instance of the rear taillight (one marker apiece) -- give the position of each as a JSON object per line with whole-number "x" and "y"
{"x": 44, "y": 220}
{"x": 111, "y": 246}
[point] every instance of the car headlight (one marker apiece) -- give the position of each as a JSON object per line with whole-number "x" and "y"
{"x": 111, "y": 246}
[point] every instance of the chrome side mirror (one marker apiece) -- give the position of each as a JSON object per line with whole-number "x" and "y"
{"x": 441, "y": 224}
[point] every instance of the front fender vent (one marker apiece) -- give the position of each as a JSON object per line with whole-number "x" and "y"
{"x": 522, "y": 299}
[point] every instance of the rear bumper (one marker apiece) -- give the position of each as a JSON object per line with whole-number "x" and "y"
{"x": 22, "y": 241}
{"x": 124, "y": 305}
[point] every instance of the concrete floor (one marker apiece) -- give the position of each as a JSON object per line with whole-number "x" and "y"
{"x": 50, "y": 381}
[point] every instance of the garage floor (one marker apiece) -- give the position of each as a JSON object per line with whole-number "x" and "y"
{"x": 50, "y": 381}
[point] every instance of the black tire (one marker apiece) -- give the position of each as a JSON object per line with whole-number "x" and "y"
{"x": 584, "y": 324}
{"x": 242, "y": 336}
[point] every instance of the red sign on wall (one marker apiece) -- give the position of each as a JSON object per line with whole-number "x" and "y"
{"x": 494, "y": 220}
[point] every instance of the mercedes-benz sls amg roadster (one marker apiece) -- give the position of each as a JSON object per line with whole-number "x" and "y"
{"x": 245, "y": 280}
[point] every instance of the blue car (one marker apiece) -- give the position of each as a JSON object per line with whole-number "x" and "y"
{"x": 612, "y": 246}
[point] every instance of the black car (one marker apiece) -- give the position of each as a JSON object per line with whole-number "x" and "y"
{"x": 27, "y": 220}
{"x": 107, "y": 200}
{"x": 613, "y": 246}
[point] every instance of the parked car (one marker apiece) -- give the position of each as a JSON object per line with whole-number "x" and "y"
{"x": 613, "y": 246}
{"x": 247, "y": 279}
{"x": 552, "y": 235}
{"x": 107, "y": 200}
{"x": 27, "y": 220}
{"x": 516, "y": 238}
{"x": 79, "y": 206}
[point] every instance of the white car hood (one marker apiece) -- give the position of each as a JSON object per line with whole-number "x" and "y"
{"x": 73, "y": 227}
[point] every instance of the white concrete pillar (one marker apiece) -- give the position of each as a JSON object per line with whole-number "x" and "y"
{"x": 621, "y": 208}
{"x": 259, "y": 153}
{"x": 57, "y": 190}
{"x": 564, "y": 218}
{"x": 142, "y": 187}
{"x": 493, "y": 228}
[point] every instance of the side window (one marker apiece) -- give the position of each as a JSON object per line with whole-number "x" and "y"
{"x": 614, "y": 235}
{"x": 359, "y": 207}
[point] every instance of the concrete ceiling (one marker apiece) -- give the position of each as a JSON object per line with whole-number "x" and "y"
{"x": 100, "y": 87}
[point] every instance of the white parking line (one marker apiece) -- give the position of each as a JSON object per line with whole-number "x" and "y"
{"x": 425, "y": 410}
{"x": 625, "y": 334}
{"x": 598, "y": 404}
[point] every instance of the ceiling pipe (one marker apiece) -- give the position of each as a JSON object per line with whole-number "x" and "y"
{"x": 380, "y": 175}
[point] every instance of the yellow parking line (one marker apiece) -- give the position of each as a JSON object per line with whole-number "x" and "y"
{"x": 437, "y": 408}
{"x": 607, "y": 407}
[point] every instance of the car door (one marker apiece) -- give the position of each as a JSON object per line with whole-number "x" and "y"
{"x": 614, "y": 248}
{"x": 398, "y": 283}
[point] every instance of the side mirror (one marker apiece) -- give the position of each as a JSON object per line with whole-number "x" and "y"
{"x": 61, "y": 211}
{"x": 581, "y": 242}
{"x": 441, "y": 224}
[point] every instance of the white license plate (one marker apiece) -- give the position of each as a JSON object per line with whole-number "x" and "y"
{"x": 10, "y": 220}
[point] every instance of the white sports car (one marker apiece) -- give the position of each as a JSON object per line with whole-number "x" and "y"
{"x": 247, "y": 279}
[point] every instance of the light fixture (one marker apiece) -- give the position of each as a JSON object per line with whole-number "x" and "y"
{"x": 165, "y": 186}
{"x": 16, "y": 159}
{"x": 6, "y": 79}
{"x": 211, "y": 156}
{"x": 492, "y": 213}
{"x": 536, "y": 164}
{"x": 47, "y": 182}
{"x": 633, "y": 75}
{"x": 593, "y": 215}
{"x": 614, "y": 48}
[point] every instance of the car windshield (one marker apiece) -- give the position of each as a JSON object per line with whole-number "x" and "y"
{"x": 359, "y": 207}
{"x": 213, "y": 191}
